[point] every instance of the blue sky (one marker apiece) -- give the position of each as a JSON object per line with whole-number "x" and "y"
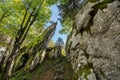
{"x": 54, "y": 17}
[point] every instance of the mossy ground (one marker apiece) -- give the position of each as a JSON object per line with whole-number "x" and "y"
{"x": 46, "y": 70}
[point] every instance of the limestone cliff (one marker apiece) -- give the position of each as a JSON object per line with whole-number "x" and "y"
{"x": 93, "y": 47}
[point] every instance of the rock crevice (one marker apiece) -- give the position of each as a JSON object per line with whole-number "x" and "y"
{"x": 93, "y": 46}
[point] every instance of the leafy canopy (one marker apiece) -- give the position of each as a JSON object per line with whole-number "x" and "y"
{"x": 12, "y": 14}
{"x": 13, "y": 11}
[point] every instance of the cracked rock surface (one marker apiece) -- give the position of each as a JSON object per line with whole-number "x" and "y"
{"x": 93, "y": 47}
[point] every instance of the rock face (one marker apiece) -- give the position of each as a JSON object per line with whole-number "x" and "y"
{"x": 93, "y": 47}
{"x": 54, "y": 52}
{"x": 31, "y": 57}
{"x": 39, "y": 48}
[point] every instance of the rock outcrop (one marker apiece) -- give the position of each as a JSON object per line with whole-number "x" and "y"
{"x": 39, "y": 48}
{"x": 93, "y": 47}
{"x": 54, "y": 52}
{"x": 32, "y": 56}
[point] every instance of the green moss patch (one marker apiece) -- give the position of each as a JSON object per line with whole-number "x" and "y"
{"x": 86, "y": 71}
{"x": 93, "y": 1}
{"x": 105, "y": 1}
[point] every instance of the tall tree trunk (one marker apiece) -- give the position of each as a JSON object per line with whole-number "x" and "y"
{"x": 8, "y": 68}
{"x": 5, "y": 55}
{"x": 1, "y": 62}
{"x": 22, "y": 32}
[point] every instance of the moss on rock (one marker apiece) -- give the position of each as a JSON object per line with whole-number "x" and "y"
{"x": 85, "y": 71}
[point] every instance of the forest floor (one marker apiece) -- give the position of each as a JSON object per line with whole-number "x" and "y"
{"x": 50, "y": 69}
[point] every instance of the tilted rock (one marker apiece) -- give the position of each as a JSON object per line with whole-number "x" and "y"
{"x": 93, "y": 46}
{"x": 40, "y": 47}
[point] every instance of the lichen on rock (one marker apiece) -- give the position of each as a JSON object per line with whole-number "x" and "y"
{"x": 95, "y": 40}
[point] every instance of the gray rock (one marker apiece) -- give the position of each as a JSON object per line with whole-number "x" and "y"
{"x": 39, "y": 48}
{"x": 2, "y": 50}
{"x": 94, "y": 45}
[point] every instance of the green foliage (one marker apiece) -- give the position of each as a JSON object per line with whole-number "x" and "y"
{"x": 16, "y": 16}
{"x": 86, "y": 70}
{"x": 106, "y": 1}
{"x": 51, "y": 44}
{"x": 51, "y": 2}
{"x": 67, "y": 26}
{"x": 93, "y": 1}
{"x": 68, "y": 10}
{"x": 63, "y": 52}
{"x": 102, "y": 5}
{"x": 13, "y": 11}
{"x": 32, "y": 39}
{"x": 11, "y": 19}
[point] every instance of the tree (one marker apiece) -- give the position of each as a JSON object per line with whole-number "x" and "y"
{"x": 60, "y": 42}
{"x": 68, "y": 10}
{"x": 31, "y": 15}
{"x": 23, "y": 21}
